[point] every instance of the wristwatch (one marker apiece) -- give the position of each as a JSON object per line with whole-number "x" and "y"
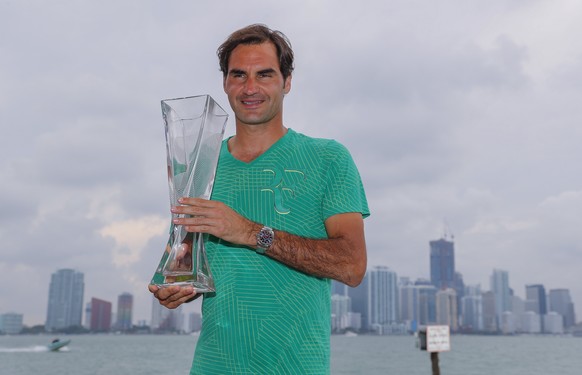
{"x": 265, "y": 239}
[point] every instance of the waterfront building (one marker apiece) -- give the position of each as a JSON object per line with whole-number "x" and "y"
{"x": 442, "y": 263}
{"x": 195, "y": 322}
{"x": 340, "y": 309}
{"x": 65, "y": 301}
{"x": 508, "y": 323}
{"x": 166, "y": 320}
{"x": 518, "y": 309}
{"x": 355, "y": 321}
{"x": 561, "y": 302}
{"x": 426, "y": 303}
{"x": 460, "y": 290}
{"x": 535, "y": 299}
{"x": 124, "y": 311}
{"x": 499, "y": 283}
{"x": 553, "y": 323}
{"x": 446, "y": 308}
{"x": 360, "y": 302}
{"x": 531, "y": 322}
{"x": 100, "y": 315}
{"x": 383, "y": 296}
{"x": 489, "y": 317}
{"x": 409, "y": 306}
{"x": 472, "y": 317}
{"x": 10, "y": 323}
{"x": 339, "y": 288}
{"x": 87, "y": 321}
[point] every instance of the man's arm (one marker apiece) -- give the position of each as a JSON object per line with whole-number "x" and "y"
{"x": 342, "y": 256}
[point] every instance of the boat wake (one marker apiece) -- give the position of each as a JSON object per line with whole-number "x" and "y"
{"x": 33, "y": 349}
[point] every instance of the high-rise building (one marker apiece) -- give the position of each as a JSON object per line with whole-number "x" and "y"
{"x": 460, "y": 289}
{"x": 339, "y": 288}
{"x": 361, "y": 302}
{"x": 383, "y": 292}
{"x": 446, "y": 308}
{"x": 409, "y": 306}
{"x": 442, "y": 263}
{"x": 100, "y": 315}
{"x": 340, "y": 312}
{"x": 553, "y": 323}
{"x": 65, "y": 301}
{"x": 426, "y": 302}
{"x": 499, "y": 283}
{"x": 472, "y": 318}
{"x": 561, "y": 302}
{"x": 535, "y": 299}
{"x": 489, "y": 317}
{"x": 10, "y": 323}
{"x": 124, "y": 311}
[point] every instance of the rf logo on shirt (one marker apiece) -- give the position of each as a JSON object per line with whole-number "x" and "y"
{"x": 283, "y": 185}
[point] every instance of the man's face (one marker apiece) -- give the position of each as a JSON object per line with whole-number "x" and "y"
{"x": 254, "y": 84}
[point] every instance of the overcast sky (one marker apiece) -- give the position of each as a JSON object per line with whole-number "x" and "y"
{"x": 460, "y": 114}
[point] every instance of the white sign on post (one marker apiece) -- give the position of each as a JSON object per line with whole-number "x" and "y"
{"x": 438, "y": 339}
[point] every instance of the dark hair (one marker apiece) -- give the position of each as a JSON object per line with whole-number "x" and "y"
{"x": 257, "y": 34}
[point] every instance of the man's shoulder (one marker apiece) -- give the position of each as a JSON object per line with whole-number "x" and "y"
{"x": 300, "y": 139}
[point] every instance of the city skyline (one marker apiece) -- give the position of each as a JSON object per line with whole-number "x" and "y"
{"x": 466, "y": 114}
{"x": 67, "y": 289}
{"x": 387, "y": 304}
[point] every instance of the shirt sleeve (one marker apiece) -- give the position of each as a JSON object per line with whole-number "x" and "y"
{"x": 344, "y": 190}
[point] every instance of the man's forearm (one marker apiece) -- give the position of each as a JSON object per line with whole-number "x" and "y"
{"x": 342, "y": 259}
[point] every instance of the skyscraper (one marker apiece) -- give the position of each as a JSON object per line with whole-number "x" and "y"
{"x": 383, "y": 291}
{"x": 124, "y": 311}
{"x": 409, "y": 306}
{"x": 472, "y": 309}
{"x": 442, "y": 264}
{"x": 561, "y": 302}
{"x": 535, "y": 299}
{"x": 360, "y": 301}
{"x": 340, "y": 312}
{"x": 488, "y": 308}
{"x": 100, "y": 315}
{"x": 499, "y": 283}
{"x": 446, "y": 308}
{"x": 426, "y": 303}
{"x": 65, "y": 302}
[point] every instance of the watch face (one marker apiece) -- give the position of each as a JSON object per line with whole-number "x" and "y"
{"x": 265, "y": 237}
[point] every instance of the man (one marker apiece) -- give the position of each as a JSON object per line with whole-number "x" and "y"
{"x": 286, "y": 216}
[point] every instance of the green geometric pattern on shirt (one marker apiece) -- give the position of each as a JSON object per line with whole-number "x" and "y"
{"x": 266, "y": 318}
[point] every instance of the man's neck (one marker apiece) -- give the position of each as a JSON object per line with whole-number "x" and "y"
{"x": 251, "y": 141}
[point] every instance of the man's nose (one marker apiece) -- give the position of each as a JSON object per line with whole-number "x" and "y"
{"x": 251, "y": 86}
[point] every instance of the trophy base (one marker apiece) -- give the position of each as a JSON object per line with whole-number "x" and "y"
{"x": 198, "y": 287}
{"x": 201, "y": 283}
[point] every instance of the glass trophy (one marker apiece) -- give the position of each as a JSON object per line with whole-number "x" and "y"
{"x": 194, "y": 129}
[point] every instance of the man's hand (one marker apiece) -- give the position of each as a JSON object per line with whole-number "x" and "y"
{"x": 173, "y": 296}
{"x": 341, "y": 256}
{"x": 217, "y": 219}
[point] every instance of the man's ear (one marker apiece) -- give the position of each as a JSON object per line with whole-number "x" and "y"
{"x": 287, "y": 85}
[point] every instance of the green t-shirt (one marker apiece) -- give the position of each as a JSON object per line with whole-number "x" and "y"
{"x": 267, "y": 318}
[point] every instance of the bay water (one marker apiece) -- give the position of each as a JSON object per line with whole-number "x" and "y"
{"x": 172, "y": 355}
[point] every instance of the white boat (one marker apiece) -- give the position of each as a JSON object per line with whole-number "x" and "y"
{"x": 57, "y": 344}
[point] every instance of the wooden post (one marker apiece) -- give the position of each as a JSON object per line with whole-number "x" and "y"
{"x": 434, "y": 360}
